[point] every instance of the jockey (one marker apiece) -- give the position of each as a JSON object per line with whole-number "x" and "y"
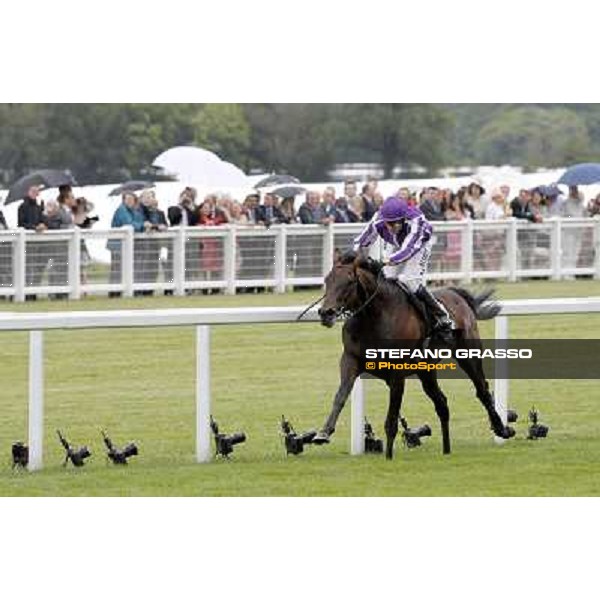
{"x": 409, "y": 232}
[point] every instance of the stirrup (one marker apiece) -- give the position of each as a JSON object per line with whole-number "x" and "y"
{"x": 444, "y": 332}
{"x": 446, "y": 323}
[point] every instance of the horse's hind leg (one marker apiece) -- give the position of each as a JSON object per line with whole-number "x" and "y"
{"x": 349, "y": 371}
{"x": 473, "y": 367}
{"x": 431, "y": 387}
{"x": 393, "y": 415}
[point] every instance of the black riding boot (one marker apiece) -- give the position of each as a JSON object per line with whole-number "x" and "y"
{"x": 443, "y": 323}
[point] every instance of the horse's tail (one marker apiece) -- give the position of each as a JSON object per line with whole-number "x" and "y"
{"x": 483, "y": 304}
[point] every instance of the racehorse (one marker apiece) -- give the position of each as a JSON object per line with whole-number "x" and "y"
{"x": 379, "y": 310}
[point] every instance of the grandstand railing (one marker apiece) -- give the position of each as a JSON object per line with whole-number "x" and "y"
{"x": 230, "y": 258}
{"x": 37, "y": 323}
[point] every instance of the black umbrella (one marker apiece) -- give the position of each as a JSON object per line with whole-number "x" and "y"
{"x": 46, "y": 178}
{"x": 276, "y": 180}
{"x": 582, "y": 174}
{"x": 288, "y": 191}
{"x": 131, "y": 186}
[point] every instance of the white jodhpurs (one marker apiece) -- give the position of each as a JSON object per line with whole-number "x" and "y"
{"x": 412, "y": 272}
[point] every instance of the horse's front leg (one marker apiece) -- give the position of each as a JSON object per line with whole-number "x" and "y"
{"x": 349, "y": 371}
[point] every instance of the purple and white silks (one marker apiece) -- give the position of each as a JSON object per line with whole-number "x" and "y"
{"x": 415, "y": 231}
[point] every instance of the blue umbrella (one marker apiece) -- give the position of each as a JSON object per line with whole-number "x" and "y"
{"x": 582, "y": 174}
{"x": 550, "y": 191}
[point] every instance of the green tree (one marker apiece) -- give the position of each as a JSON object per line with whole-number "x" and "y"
{"x": 223, "y": 129}
{"x": 153, "y": 128}
{"x": 22, "y": 139}
{"x": 90, "y": 139}
{"x": 400, "y": 133}
{"x": 534, "y": 136}
{"x": 294, "y": 138}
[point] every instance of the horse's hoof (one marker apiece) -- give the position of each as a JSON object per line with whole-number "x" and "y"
{"x": 507, "y": 433}
{"x": 320, "y": 439}
{"x": 512, "y": 416}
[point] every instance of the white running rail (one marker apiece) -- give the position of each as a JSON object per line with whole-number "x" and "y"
{"x": 203, "y": 319}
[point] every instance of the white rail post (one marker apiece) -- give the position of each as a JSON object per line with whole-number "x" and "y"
{"x": 19, "y": 265}
{"x": 467, "y": 251}
{"x": 512, "y": 249}
{"x": 127, "y": 258}
{"x": 203, "y": 452}
{"x": 75, "y": 264}
{"x": 597, "y": 247}
{"x": 230, "y": 257}
{"x": 328, "y": 249}
{"x": 36, "y": 400}
{"x": 179, "y": 262}
{"x": 501, "y": 375}
{"x": 357, "y": 418}
{"x": 280, "y": 259}
{"x": 556, "y": 249}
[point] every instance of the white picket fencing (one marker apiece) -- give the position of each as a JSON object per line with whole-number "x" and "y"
{"x": 231, "y": 258}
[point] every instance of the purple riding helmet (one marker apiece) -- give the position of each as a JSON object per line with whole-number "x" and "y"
{"x": 393, "y": 209}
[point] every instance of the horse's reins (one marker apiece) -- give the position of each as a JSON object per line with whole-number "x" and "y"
{"x": 309, "y": 307}
{"x": 341, "y": 312}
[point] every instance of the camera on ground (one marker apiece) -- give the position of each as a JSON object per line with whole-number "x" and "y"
{"x": 224, "y": 443}
{"x": 536, "y": 429}
{"x": 412, "y": 436}
{"x": 119, "y": 456}
{"x": 373, "y": 445}
{"x": 77, "y": 456}
{"x": 295, "y": 442}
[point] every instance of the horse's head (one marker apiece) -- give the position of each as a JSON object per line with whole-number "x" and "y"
{"x": 346, "y": 286}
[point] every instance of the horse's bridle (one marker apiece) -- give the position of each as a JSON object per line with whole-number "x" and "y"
{"x": 380, "y": 279}
{"x": 343, "y": 312}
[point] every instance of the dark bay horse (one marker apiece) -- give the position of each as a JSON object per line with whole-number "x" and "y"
{"x": 381, "y": 310}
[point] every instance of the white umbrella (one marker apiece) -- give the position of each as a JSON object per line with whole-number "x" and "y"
{"x": 232, "y": 176}
{"x": 199, "y": 167}
{"x": 188, "y": 163}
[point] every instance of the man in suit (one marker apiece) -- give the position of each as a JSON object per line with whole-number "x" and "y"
{"x": 31, "y": 216}
{"x": 432, "y": 205}
{"x": 312, "y": 212}
{"x": 268, "y": 213}
{"x": 522, "y": 209}
{"x": 342, "y": 212}
{"x": 185, "y": 213}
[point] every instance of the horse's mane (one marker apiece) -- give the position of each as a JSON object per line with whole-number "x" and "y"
{"x": 373, "y": 267}
{"x": 364, "y": 262}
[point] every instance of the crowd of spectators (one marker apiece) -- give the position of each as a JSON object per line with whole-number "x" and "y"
{"x": 50, "y": 258}
{"x": 356, "y": 204}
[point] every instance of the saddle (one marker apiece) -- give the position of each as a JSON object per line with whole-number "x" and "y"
{"x": 421, "y": 308}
